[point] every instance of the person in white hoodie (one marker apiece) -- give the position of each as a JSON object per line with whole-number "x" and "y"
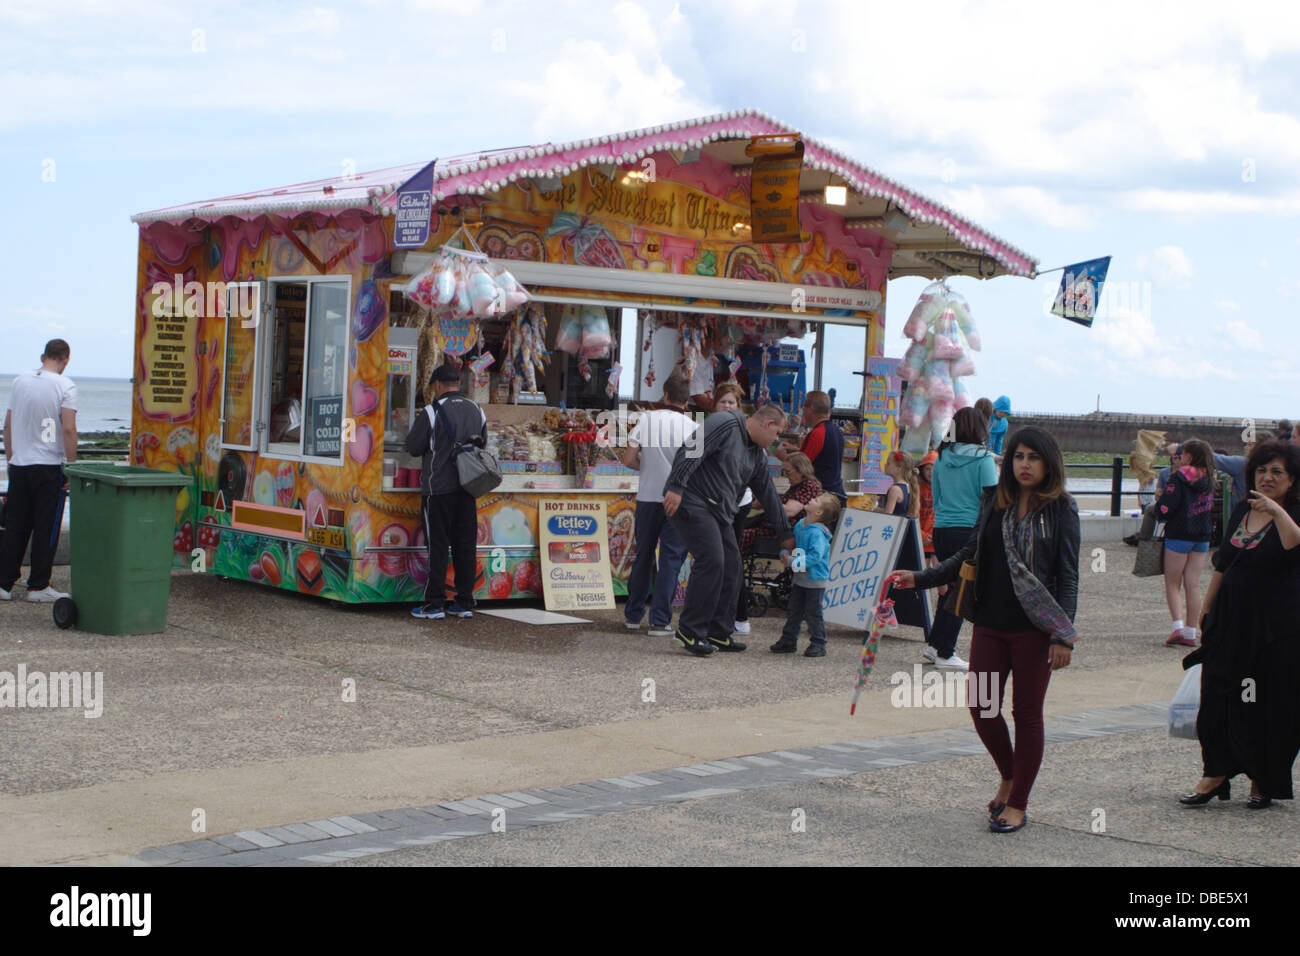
{"x": 964, "y": 469}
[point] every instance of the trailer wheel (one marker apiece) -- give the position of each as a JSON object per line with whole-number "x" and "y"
{"x": 65, "y": 613}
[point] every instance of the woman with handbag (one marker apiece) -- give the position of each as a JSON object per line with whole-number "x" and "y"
{"x": 964, "y": 471}
{"x": 1185, "y": 506}
{"x": 1249, "y": 720}
{"x": 1019, "y": 573}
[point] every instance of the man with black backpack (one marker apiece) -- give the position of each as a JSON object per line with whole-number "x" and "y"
{"x": 450, "y": 512}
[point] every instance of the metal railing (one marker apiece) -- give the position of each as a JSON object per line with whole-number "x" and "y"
{"x": 104, "y": 454}
{"x": 1116, "y": 469}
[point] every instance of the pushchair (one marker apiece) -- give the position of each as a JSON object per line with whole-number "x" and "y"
{"x": 757, "y": 572}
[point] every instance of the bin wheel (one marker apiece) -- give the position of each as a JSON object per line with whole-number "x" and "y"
{"x": 65, "y": 612}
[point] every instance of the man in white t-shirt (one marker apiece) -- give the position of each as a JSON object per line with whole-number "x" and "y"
{"x": 40, "y": 435}
{"x": 652, "y": 446}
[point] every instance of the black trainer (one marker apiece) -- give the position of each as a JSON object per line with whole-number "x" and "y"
{"x": 697, "y": 647}
{"x": 815, "y": 650}
{"x": 784, "y": 647}
{"x": 727, "y": 643}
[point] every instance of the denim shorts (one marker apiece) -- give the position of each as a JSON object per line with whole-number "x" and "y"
{"x": 1178, "y": 546}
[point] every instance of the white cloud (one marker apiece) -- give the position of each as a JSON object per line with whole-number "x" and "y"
{"x": 1127, "y": 334}
{"x": 991, "y": 204}
{"x": 1242, "y": 334}
{"x": 1227, "y": 305}
{"x": 1189, "y": 369}
{"x": 1289, "y": 287}
{"x": 1053, "y": 367}
{"x": 1190, "y": 203}
{"x": 1167, "y": 264}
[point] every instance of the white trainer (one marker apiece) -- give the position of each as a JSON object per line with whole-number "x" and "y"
{"x": 632, "y": 625}
{"x": 929, "y": 653}
{"x": 662, "y": 631}
{"x": 953, "y": 663}
{"x": 6, "y": 595}
{"x": 46, "y": 595}
{"x": 741, "y": 627}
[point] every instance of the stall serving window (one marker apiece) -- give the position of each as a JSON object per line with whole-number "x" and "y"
{"x": 289, "y": 373}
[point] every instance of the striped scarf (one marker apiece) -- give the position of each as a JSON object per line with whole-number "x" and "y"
{"x": 1039, "y": 605}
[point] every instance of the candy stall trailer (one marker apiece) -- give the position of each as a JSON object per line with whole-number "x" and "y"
{"x": 281, "y": 344}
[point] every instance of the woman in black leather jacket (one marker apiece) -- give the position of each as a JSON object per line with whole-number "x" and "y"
{"x": 1025, "y": 548}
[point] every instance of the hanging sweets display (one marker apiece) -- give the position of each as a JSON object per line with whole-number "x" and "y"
{"x": 943, "y": 335}
{"x": 465, "y": 283}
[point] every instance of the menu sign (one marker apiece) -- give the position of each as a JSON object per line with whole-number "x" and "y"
{"x": 168, "y": 361}
{"x": 774, "y": 188}
{"x": 575, "y": 554}
{"x": 324, "y": 427}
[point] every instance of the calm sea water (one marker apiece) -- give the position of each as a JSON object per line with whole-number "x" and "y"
{"x": 103, "y": 404}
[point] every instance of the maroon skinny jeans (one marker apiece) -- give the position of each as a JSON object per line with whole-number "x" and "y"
{"x": 1023, "y": 655}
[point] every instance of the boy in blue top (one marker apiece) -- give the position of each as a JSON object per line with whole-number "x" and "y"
{"x": 998, "y": 427}
{"x": 812, "y": 538}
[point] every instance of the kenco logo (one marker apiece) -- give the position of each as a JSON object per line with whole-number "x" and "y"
{"x": 102, "y": 909}
{"x": 571, "y": 524}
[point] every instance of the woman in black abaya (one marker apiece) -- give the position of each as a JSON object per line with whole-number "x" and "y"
{"x": 1249, "y": 719}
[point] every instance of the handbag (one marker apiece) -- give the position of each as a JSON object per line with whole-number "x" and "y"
{"x": 960, "y": 600}
{"x": 1150, "y": 560}
{"x": 1186, "y": 705}
{"x": 477, "y": 469}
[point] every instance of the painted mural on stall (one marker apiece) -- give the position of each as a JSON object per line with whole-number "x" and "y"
{"x": 683, "y": 222}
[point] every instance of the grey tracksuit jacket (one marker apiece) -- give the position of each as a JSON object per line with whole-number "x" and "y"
{"x": 724, "y": 463}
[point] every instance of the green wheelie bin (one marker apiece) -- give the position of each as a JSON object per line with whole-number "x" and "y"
{"x": 123, "y": 520}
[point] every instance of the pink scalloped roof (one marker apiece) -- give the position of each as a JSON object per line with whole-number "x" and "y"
{"x": 481, "y": 173}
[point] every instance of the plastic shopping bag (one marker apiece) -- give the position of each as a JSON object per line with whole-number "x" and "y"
{"x": 1185, "y": 705}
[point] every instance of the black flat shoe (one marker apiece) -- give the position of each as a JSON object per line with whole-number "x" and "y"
{"x": 1001, "y": 826}
{"x": 995, "y": 809}
{"x": 784, "y": 647}
{"x": 1223, "y": 791}
{"x": 1256, "y": 802}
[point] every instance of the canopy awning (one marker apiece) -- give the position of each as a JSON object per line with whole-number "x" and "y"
{"x": 927, "y": 238}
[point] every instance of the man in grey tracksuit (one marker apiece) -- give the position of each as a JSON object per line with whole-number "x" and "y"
{"x": 450, "y": 512}
{"x": 700, "y": 498}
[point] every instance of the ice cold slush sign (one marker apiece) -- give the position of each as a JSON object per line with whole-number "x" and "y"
{"x": 864, "y": 551}
{"x": 575, "y": 554}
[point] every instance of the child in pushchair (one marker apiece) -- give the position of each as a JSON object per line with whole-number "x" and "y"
{"x": 760, "y": 552}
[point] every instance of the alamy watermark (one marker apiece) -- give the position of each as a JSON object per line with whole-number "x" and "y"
{"x": 976, "y": 690}
{"x": 614, "y": 428}
{"x": 39, "y": 690}
{"x": 199, "y": 299}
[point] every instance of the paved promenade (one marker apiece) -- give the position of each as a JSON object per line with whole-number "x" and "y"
{"x": 235, "y": 718}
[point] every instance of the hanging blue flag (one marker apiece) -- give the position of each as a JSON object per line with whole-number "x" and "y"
{"x": 1080, "y": 291}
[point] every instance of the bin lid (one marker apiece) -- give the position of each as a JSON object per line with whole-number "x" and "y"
{"x": 130, "y": 476}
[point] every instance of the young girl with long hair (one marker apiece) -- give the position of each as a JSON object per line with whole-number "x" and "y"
{"x": 1025, "y": 547}
{"x": 1186, "y": 506}
{"x": 904, "y": 498}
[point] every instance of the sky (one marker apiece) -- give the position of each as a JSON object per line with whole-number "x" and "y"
{"x": 1164, "y": 135}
